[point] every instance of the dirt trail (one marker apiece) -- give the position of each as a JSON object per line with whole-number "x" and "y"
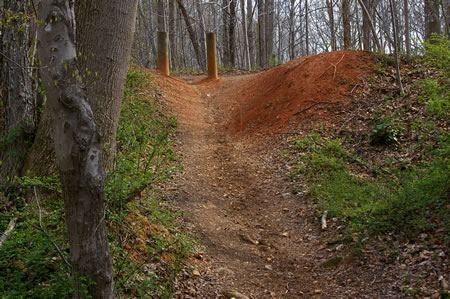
{"x": 231, "y": 197}
{"x": 256, "y": 241}
{"x": 259, "y": 239}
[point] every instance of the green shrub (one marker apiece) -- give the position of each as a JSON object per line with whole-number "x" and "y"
{"x": 435, "y": 91}
{"x": 385, "y": 132}
{"x": 436, "y": 54}
{"x": 404, "y": 202}
{"x": 30, "y": 266}
{"x": 436, "y": 96}
{"x": 144, "y": 150}
{"x": 144, "y": 158}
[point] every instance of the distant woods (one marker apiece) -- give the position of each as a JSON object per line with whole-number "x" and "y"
{"x": 262, "y": 33}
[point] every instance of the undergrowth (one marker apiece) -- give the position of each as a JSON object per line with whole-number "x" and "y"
{"x": 404, "y": 187}
{"x": 372, "y": 199}
{"x": 147, "y": 245}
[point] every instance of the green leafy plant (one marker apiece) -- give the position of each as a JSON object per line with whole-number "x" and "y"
{"x": 144, "y": 158}
{"x": 405, "y": 202}
{"x": 436, "y": 54}
{"x": 436, "y": 96}
{"x": 144, "y": 154}
{"x": 384, "y": 133}
{"x": 30, "y": 266}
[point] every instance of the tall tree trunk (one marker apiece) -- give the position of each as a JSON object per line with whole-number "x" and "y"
{"x": 292, "y": 30}
{"x": 161, "y": 18}
{"x": 192, "y": 34}
{"x": 397, "y": 25}
{"x": 346, "y": 24}
{"x": 231, "y": 33}
{"x": 407, "y": 32}
{"x": 280, "y": 49}
{"x": 16, "y": 87}
{"x": 307, "y": 27}
{"x": 104, "y": 37}
{"x": 261, "y": 34}
{"x": 245, "y": 33}
{"x": 366, "y": 27}
{"x": 358, "y": 28}
{"x": 226, "y": 59}
{"x": 331, "y": 18}
{"x": 394, "y": 29}
{"x": 148, "y": 35}
{"x": 202, "y": 30}
{"x": 371, "y": 25}
{"x": 432, "y": 21}
{"x": 269, "y": 9}
{"x": 445, "y": 5}
{"x": 251, "y": 39}
{"x": 172, "y": 36}
{"x": 77, "y": 147}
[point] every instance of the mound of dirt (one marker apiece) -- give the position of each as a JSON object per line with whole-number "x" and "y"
{"x": 269, "y": 101}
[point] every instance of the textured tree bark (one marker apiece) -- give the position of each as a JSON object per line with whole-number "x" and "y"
{"x": 346, "y": 24}
{"x": 192, "y": 34}
{"x": 366, "y": 27}
{"x": 202, "y": 32}
{"x": 40, "y": 160}
{"x": 261, "y": 34}
{"x": 292, "y": 30}
{"x": 231, "y": 33}
{"x": 397, "y": 62}
{"x": 307, "y": 27}
{"x": 16, "y": 87}
{"x": 372, "y": 27}
{"x": 226, "y": 59}
{"x": 172, "y": 36}
{"x": 245, "y": 33}
{"x": 77, "y": 147}
{"x": 161, "y": 18}
{"x": 331, "y": 18}
{"x": 269, "y": 9}
{"x": 251, "y": 39}
{"x": 407, "y": 32}
{"x": 104, "y": 37}
{"x": 432, "y": 21}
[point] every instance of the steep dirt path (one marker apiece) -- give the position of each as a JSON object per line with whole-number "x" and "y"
{"x": 259, "y": 239}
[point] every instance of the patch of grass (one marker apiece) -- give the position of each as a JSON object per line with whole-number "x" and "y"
{"x": 435, "y": 91}
{"x": 29, "y": 264}
{"x": 144, "y": 148}
{"x": 148, "y": 246}
{"x": 406, "y": 202}
{"x": 436, "y": 96}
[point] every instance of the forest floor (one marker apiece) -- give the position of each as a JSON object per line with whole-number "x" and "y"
{"x": 257, "y": 239}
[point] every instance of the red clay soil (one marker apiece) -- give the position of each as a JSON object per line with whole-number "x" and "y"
{"x": 268, "y": 101}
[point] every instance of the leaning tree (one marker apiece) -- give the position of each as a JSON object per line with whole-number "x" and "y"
{"x": 84, "y": 111}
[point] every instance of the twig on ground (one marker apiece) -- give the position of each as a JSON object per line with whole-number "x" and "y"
{"x": 335, "y": 66}
{"x": 353, "y": 89}
{"x": 9, "y": 229}
{"x": 42, "y": 229}
{"x": 314, "y": 104}
{"x": 332, "y": 65}
{"x": 324, "y": 220}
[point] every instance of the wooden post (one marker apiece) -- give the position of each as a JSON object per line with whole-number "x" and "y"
{"x": 163, "y": 53}
{"x": 212, "y": 56}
